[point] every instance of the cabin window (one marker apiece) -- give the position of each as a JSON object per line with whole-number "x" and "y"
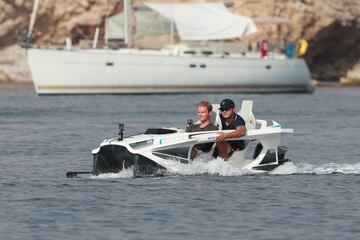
{"x": 204, "y": 147}
{"x": 179, "y": 154}
{"x": 159, "y": 131}
{"x": 142, "y": 144}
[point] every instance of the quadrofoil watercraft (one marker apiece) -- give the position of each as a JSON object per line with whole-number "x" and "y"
{"x": 163, "y": 150}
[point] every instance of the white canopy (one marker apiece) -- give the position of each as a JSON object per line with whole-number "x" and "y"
{"x": 204, "y": 21}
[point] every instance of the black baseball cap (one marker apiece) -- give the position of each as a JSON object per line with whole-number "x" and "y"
{"x": 226, "y": 104}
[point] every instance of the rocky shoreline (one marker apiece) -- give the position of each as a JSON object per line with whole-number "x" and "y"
{"x": 352, "y": 78}
{"x": 332, "y": 30}
{"x": 14, "y": 66}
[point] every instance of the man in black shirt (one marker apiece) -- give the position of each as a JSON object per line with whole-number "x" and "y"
{"x": 230, "y": 121}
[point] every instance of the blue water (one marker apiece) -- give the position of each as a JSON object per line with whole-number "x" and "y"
{"x": 317, "y": 196}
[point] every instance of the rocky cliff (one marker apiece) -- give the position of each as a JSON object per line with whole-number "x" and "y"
{"x": 332, "y": 28}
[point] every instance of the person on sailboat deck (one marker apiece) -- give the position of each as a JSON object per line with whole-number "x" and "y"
{"x": 204, "y": 110}
{"x": 230, "y": 121}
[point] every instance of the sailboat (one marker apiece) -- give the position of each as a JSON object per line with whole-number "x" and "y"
{"x": 175, "y": 69}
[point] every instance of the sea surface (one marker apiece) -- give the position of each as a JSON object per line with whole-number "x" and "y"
{"x": 317, "y": 196}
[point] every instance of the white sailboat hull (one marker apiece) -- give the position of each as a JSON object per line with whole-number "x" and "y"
{"x": 135, "y": 71}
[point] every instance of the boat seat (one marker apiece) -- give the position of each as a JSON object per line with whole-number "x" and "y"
{"x": 247, "y": 114}
{"x": 215, "y": 116}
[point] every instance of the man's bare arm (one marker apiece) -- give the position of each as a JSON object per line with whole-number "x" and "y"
{"x": 239, "y": 132}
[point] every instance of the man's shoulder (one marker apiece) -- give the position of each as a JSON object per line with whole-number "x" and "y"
{"x": 195, "y": 128}
{"x": 210, "y": 127}
{"x": 239, "y": 120}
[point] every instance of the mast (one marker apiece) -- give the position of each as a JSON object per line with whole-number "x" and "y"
{"x": 127, "y": 23}
{"x": 172, "y": 26}
{"x": 172, "y": 31}
{"x": 32, "y": 19}
{"x": 96, "y": 37}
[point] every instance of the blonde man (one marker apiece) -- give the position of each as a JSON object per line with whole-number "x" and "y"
{"x": 204, "y": 110}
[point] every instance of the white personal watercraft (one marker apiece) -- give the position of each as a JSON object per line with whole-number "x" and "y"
{"x": 163, "y": 150}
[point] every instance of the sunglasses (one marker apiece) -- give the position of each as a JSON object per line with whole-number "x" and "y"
{"x": 225, "y": 109}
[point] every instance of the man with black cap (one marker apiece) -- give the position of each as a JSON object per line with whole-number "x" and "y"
{"x": 230, "y": 121}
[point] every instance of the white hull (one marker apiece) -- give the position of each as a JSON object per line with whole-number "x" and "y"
{"x": 134, "y": 71}
{"x": 168, "y": 150}
{"x": 159, "y": 151}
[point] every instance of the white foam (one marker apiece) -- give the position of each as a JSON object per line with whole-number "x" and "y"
{"x": 307, "y": 168}
{"x": 285, "y": 169}
{"x": 224, "y": 168}
{"x": 214, "y": 167}
{"x": 329, "y": 168}
{"x": 125, "y": 173}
